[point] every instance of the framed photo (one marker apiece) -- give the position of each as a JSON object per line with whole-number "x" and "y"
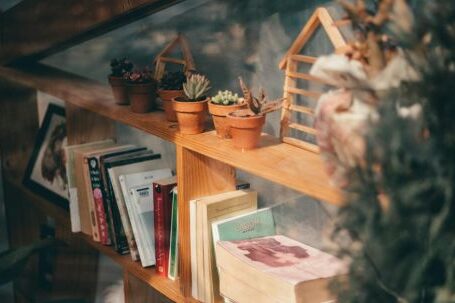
{"x": 46, "y": 170}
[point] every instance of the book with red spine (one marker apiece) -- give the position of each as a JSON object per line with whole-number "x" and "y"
{"x": 162, "y": 197}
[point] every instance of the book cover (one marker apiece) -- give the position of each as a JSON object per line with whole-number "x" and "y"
{"x": 115, "y": 228}
{"x": 142, "y": 161}
{"x": 76, "y": 225}
{"x": 81, "y": 186}
{"x": 133, "y": 180}
{"x": 93, "y": 164}
{"x": 282, "y": 268}
{"x": 284, "y": 258}
{"x": 256, "y": 224}
{"x": 162, "y": 211}
{"x": 214, "y": 208}
{"x": 143, "y": 208}
{"x": 173, "y": 249}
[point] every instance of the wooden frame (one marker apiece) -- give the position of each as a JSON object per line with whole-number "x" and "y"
{"x": 163, "y": 57}
{"x": 36, "y": 178}
{"x": 289, "y": 64}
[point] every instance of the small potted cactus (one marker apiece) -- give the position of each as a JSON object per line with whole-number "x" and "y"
{"x": 141, "y": 90}
{"x": 118, "y": 69}
{"x": 191, "y": 109}
{"x": 246, "y": 124}
{"x": 223, "y": 103}
{"x": 171, "y": 86}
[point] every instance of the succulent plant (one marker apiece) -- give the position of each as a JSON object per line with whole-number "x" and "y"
{"x": 120, "y": 66}
{"x": 226, "y": 98}
{"x": 196, "y": 87}
{"x": 139, "y": 76}
{"x": 173, "y": 80}
{"x": 257, "y": 105}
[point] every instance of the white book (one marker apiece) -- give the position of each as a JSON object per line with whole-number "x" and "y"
{"x": 134, "y": 180}
{"x": 142, "y": 207}
{"x": 114, "y": 173}
{"x": 75, "y": 217}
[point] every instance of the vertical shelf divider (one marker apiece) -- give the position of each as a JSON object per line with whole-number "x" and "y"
{"x": 197, "y": 176}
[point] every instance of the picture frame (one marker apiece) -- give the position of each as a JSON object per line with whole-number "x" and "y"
{"x": 46, "y": 170}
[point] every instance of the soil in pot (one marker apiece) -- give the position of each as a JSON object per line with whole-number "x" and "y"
{"x": 119, "y": 90}
{"x": 219, "y": 113}
{"x": 246, "y": 131}
{"x": 142, "y": 97}
{"x": 190, "y": 115}
{"x": 167, "y": 96}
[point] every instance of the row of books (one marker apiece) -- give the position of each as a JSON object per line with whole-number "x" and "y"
{"x": 237, "y": 255}
{"x": 122, "y": 196}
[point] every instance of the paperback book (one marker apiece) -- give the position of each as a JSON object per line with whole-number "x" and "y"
{"x": 279, "y": 268}
{"x": 129, "y": 181}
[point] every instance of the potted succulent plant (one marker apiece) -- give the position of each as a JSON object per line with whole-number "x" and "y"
{"x": 246, "y": 124}
{"x": 118, "y": 69}
{"x": 141, "y": 90}
{"x": 171, "y": 86}
{"x": 223, "y": 103}
{"x": 191, "y": 109}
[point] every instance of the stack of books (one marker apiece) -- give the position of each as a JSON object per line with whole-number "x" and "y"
{"x": 275, "y": 269}
{"x": 120, "y": 195}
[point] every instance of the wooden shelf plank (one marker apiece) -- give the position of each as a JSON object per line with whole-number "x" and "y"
{"x": 282, "y": 163}
{"x": 165, "y": 286}
{"x": 41, "y": 28}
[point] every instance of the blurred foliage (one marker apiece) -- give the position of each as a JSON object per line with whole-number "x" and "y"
{"x": 399, "y": 226}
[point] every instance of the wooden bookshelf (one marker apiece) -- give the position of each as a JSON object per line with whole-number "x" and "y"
{"x": 282, "y": 163}
{"x": 205, "y": 164}
{"x": 167, "y": 287}
{"x": 163, "y": 285}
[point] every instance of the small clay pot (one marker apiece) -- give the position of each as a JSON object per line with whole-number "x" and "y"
{"x": 167, "y": 96}
{"x": 246, "y": 131}
{"x": 219, "y": 113}
{"x": 190, "y": 115}
{"x": 119, "y": 90}
{"x": 142, "y": 97}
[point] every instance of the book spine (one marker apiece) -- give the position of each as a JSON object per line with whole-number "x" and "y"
{"x": 74, "y": 210}
{"x": 173, "y": 252}
{"x": 118, "y": 198}
{"x": 100, "y": 213}
{"x": 90, "y": 203}
{"x": 118, "y": 236}
{"x": 162, "y": 216}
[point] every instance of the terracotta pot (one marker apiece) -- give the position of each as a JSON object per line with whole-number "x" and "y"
{"x": 190, "y": 115}
{"x": 119, "y": 90}
{"x": 167, "y": 96}
{"x": 246, "y": 131}
{"x": 142, "y": 97}
{"x": 219, "y": 113}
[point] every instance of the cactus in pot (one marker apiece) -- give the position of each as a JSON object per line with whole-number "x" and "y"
{"x": 220, "y": 105}
{"x": 119, "y": 67}
{"x": 246, "y": 124}
{"x": 171, "y": 86}
{"x": 191, "y": 108}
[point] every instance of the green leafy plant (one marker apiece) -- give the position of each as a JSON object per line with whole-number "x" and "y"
{"x": 139, "y": 76}
{"x": 120, "y": 66}
{"x": 257, "y": 105}
{"x": 398, "y": 226}
{"x": 226, "y": 98}
{"x": 196, "y": 87}
{"x": 173, "y": 81}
